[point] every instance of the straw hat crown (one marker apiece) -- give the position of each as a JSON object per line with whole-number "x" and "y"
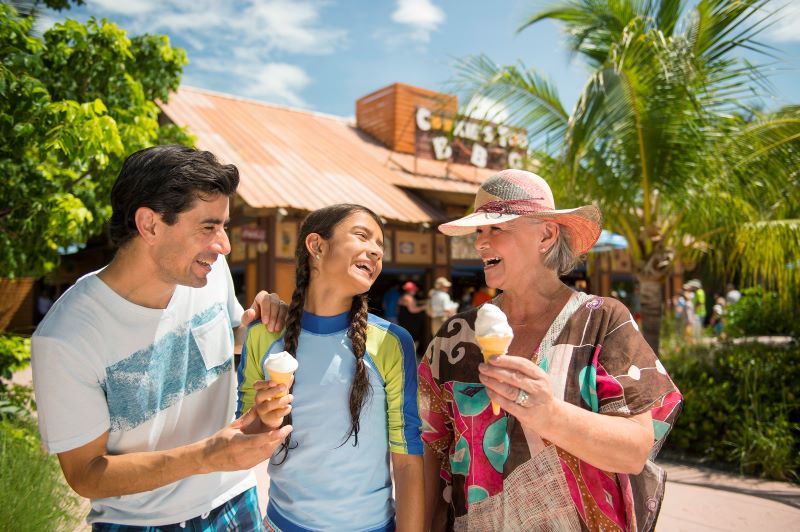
{"x": 510, "y": 194}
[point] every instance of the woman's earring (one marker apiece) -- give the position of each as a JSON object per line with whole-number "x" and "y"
{"x": 542, "y": 250}
{"x": 317, "y": 257}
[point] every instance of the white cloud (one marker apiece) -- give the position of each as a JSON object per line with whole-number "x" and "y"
{"x": 126, "y": 7}
{"x": 422, "y": 16}
{"x": 294, "y": 27}
{"x": 198, "y": 21}
{"x": 787, "y": 25}
{"x": 278, "y": 82}
{"x": 277, "y": 25}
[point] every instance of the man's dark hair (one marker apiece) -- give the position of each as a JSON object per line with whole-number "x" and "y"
{"x": 167, "y": 179}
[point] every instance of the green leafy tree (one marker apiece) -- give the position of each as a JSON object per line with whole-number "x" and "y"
{"x": 73, "y": 103}
{"x": 667, "y": 137}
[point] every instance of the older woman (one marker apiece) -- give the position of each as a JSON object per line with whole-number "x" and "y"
{"x": 585, "y": 402}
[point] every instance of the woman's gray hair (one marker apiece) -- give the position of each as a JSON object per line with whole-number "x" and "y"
{"x": 560, "y": 256}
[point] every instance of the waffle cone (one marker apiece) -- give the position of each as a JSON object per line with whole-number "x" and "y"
{"x": 281, "y": 378}
{"x": 493, "y": 346}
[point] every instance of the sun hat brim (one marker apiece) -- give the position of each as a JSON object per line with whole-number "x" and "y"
{"x": 583, "y": 224}
{"x": 467, "y": 224}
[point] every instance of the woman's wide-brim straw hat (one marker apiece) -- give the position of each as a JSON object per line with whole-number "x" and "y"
{"x": 510, "y": 194}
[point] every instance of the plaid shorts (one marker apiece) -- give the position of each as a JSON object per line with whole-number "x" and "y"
{"x": 241, "y": 513}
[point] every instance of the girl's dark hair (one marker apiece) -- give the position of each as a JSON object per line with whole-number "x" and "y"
{"x": 324, "y": 222}
{"x": 168, "y": 179}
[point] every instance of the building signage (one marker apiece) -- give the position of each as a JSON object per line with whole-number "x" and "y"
{"x": 469, "y": 141}
{"x": 253, "y": 234}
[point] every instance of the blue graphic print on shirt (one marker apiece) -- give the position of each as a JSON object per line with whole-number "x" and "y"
{"x": 157, "y": 377}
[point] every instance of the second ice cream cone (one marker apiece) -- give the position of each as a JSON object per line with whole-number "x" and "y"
{"x": 281, "y": 367}
{"x": 281, "y": 378}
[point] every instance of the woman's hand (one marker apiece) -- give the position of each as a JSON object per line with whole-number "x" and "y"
{"x": 618, "y": 444}
{"x": 272, "y": 403}
{"x": 504, "y": 376}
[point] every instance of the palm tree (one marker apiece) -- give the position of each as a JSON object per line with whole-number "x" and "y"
{"x": 32, "y": 7}
{"x": 666, "y": 137}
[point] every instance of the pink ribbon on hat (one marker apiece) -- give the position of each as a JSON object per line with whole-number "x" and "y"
{"x": 520, "y": 206}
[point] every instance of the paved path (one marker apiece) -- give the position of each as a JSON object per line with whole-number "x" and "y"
{"x": 696, "y": 500}
{"x": 704, "y": 500}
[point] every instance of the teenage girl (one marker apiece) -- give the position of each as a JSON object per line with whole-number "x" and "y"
{"x": 353, "y": 403}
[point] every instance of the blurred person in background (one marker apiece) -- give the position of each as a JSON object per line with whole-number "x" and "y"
{"x": 389, "y": 303}
{"x": 465, "y": 301}
{"x": 440, "y": 305}
{"x": 732, "y": 295}
{"x": 411, "y": 316}
{"x": 697, "y": 317}
{"x": 483, "y": 295}
{"x": 717, "y": 320}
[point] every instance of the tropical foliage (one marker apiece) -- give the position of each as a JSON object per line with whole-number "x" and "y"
{"x": 73, "y": 103}
{"x": 759, "y": 313}
{"x": 668, "y": 137}
{"x": 741, "y": 407}
{"x": 14, "y": 355}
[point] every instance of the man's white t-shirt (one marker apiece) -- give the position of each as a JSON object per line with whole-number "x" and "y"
{"x": 153, "y": 378}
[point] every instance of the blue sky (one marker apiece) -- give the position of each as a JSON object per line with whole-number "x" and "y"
{"x": 323, "y": 55}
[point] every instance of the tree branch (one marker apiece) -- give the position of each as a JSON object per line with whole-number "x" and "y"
{"x": 83, "y": 176}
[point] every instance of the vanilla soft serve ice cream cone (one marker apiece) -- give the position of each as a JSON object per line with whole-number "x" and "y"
{"x": 280, "y": 368}
{"x": 493, "y": 334}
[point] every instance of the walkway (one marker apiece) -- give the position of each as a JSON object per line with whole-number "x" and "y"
{"x": 700, "y": 500}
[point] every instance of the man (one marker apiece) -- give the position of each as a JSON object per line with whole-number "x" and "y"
{"x": 440, "y": 304}
{"x": 133, "y": 366}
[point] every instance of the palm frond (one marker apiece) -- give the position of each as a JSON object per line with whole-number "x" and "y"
{"x": 531, "y": 100}
{"x": 668, "y": 14}
{"x": 768, "y": 252}
{"x": 592, "y": 26}
{"x": 761, "y": 156}
{"x": 718, "y": 27}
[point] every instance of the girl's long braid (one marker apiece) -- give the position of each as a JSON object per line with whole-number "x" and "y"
{"x": 360, "y": 389}
{"x": 293, "y": 326}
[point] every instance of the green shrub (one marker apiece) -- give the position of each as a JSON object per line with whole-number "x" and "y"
{"x": 16, "y": 401}
{"x": 32, "y": 488}
{"x": 741, "y": 406}
{"x": 760, "y": 313}
{"x": 15, "y": 354}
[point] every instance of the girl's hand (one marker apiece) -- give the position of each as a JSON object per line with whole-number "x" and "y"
{"x": 272, "y": 403}
{"x": 504, "y": 376}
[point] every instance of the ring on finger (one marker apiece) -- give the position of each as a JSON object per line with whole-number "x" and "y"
{"x": 522, "y": 398}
